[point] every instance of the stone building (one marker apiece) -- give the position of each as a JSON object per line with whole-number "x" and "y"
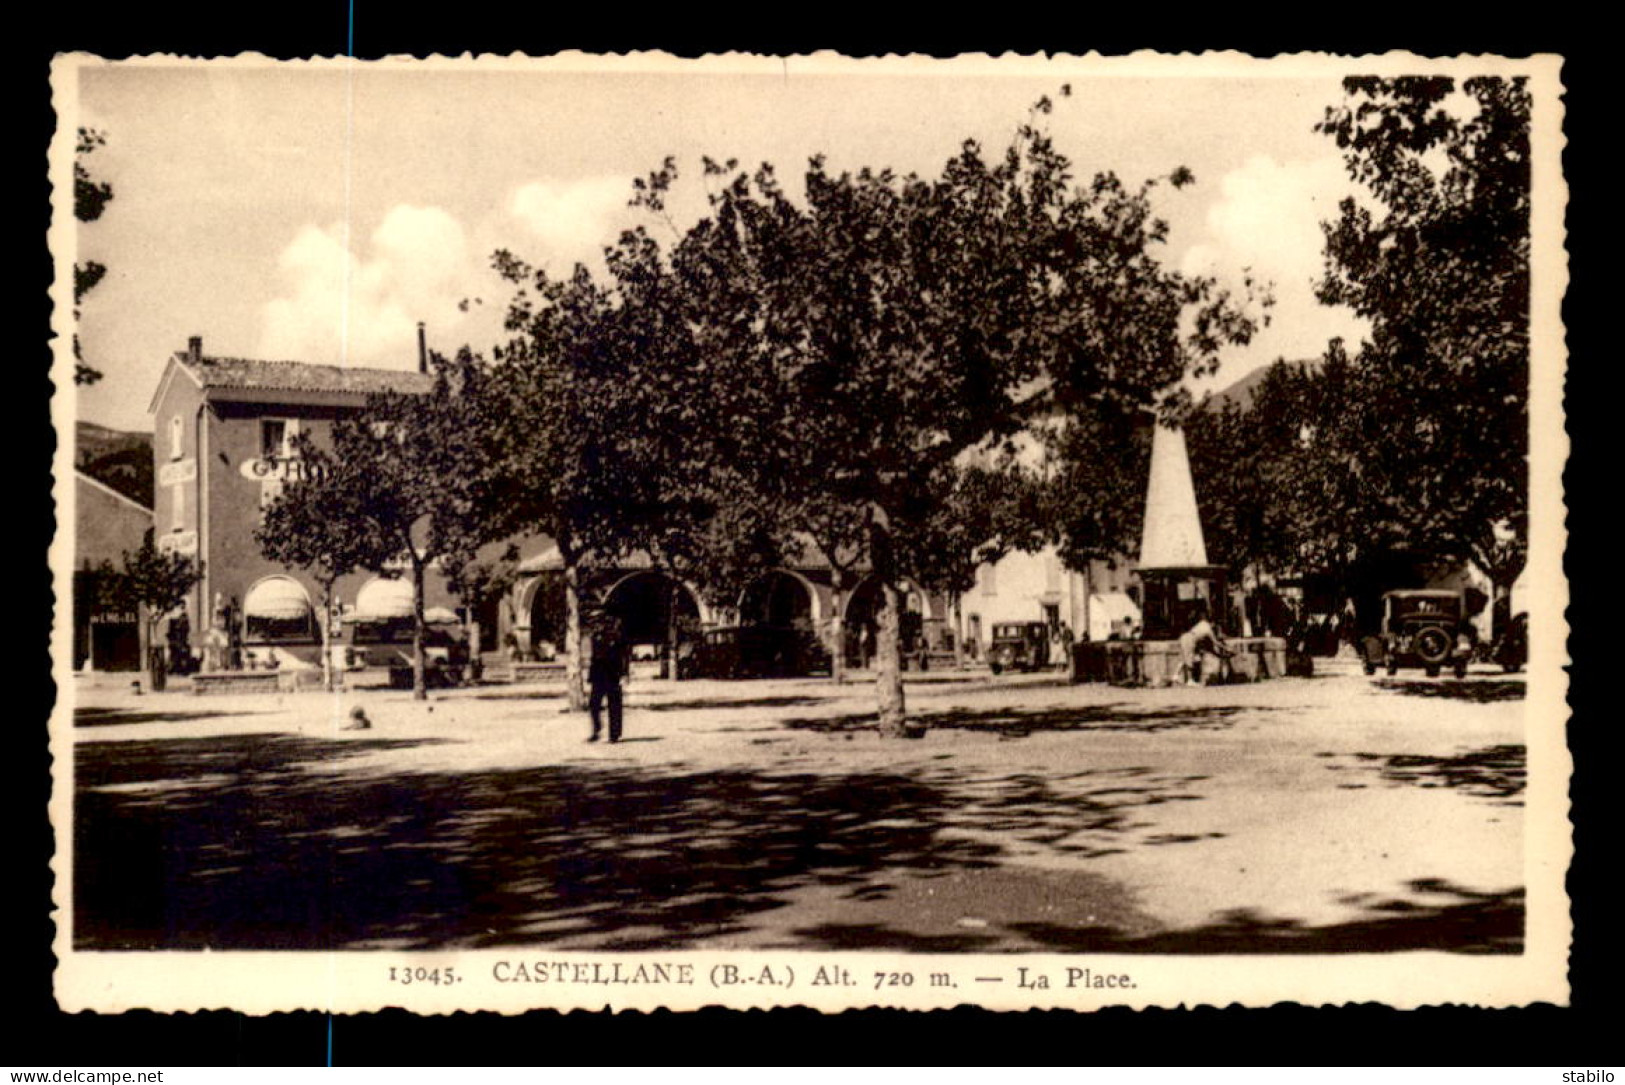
{"x": 223, "y": 442}
{"x": 107, "y": 525}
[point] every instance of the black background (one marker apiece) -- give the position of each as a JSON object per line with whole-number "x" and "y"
{"x": 37, "y": 1034}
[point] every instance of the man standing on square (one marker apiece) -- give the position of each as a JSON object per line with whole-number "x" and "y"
{"x": 604, "y": 674}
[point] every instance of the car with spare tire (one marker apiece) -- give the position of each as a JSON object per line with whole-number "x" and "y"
{"x": 1421, "y": 628}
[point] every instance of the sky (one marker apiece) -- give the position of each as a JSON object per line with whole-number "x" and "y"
{"x": 317, "y": 212}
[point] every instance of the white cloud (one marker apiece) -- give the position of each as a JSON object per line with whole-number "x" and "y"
{"x": 1266, "y": 221}
{"x": 575, "y": 220}
{"x": 339, "y": 307}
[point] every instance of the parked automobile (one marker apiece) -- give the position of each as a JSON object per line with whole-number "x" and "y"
{"x": 1425, "y": 628}
{"x": 758, "y": 651}
{"x": 1019, "y": 646}
{"x": 443, "y": 667}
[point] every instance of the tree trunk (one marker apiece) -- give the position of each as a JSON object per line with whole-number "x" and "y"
{"x": 889, "y": 663}
{"x": 837, "y": 659}
{"x": 149, "y": 655}
{"x": 327, "y": 636}
{"x": 476, "y": 668}
{"x": 671, "y": 629}
{"x": 575, "y": 691}
{"x": 420, "y": 687}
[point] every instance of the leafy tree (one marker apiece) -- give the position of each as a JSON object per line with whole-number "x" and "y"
{"x": 153, "y": 583}
{"x": 561, "y": 382}
{"x": 1095, "y": 498}
{"x": 411, "y": 482}
{"x": 892, "y": 326}
{"x": 317, "y": 523}
{"x": 1429, "y": 435}
{"x": 90, "y": 198}
{"x": 1245, "y": 465}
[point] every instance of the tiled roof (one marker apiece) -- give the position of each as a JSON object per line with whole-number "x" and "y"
{"x": 301, "y": 376}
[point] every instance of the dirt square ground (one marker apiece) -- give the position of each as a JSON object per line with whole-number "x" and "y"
{"x": 1335, "y": 813}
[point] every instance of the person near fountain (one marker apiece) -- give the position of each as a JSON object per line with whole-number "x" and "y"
{"x": 1195, "y": 644}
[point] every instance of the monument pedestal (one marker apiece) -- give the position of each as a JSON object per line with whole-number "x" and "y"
{"x": 1158, "y": 662}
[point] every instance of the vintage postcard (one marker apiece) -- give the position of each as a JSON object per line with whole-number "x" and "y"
{"x": 762, "y": 531}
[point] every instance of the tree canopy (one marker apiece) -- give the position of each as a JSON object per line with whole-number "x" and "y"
{"x": 884, "y": 335}
{"x": 411, "y": 481}
{"x": 90, "y": 199}
{"x": 1433, "y": 410}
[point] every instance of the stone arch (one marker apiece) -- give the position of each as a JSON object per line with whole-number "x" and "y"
{"x": 922, "y": 613}
{"x": 643, "y": 599}
{"x": 766, "y": 599}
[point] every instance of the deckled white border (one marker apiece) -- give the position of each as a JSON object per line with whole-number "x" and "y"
{"x": 263, "y": 982}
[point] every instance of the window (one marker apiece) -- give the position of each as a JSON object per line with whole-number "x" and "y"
{"x": 177, "y": 505}
{"x": 277, "y": 437}
{"x": 176, "y": 451}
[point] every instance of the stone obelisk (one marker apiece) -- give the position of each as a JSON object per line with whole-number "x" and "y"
{"x": 1172, "y": 535}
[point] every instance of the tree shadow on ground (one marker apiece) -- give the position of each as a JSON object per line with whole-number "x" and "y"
{"x": 251, "y": 842}
{"x": 1435, "y": 916}
{"x": 1495, "y": 772}
{"x": 727, "y": 703}
{"x": 1017, "y": 723}
{"x": 1478, "y": 691}
{"x": 244, "y": 843}
{"x": 109, "y": 717}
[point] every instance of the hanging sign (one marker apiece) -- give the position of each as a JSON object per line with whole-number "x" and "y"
{"x": 277, "y": 468}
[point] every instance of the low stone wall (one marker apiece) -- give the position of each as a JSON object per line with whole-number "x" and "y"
{"x": 211, "y": 682}
{"x": 278, "y": 681}
{"x": 1158, "y": 662}
{"x": 534, "y": 671}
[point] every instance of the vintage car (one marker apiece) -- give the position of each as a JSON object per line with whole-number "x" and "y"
{"x": 1427, "y": 629}
{"x": 1018, "y": 646}
{"x": 444, "y": 666}
{"x": 757, "y": 651}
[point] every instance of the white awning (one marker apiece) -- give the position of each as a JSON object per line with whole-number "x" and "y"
{"x": 278, "y": 598}
{"x": 1107, "y": 609}
{"x": 381, "y": 599}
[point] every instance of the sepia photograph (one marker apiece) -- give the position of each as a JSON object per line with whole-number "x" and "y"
{"x": 809, "y": 531}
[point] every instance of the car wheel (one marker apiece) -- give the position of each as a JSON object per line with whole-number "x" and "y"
{"x": 1370, "y": 668}
{"x": 996, "y": 668}
{"x": 1461, "y": 670}
{"x": 1433, "y": 646}
{"x": 1393, "y": 669}
{"x": 1432, "y": 670}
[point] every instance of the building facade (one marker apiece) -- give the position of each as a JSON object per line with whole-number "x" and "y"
{"x": 224, "y": 433}
{"x": 107, "y": 525}
{"x": 224, "y": 436}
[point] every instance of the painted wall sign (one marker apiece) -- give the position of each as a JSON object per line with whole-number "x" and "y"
{"x": 171, "y": 474}
{"x": 277, "y": 468}
{"x": 180, "y": 542}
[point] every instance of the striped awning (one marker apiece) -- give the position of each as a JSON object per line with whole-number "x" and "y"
{"x": 382, "y": 600}
{"x": 279, "y": 598}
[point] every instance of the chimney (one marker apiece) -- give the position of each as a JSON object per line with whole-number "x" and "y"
{"x": 423, "y": 350}
{"x": 194, "y": 348}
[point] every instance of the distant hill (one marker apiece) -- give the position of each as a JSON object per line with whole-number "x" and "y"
{"x": 1242, "y": 391}
{"x": 117, "y": 459}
